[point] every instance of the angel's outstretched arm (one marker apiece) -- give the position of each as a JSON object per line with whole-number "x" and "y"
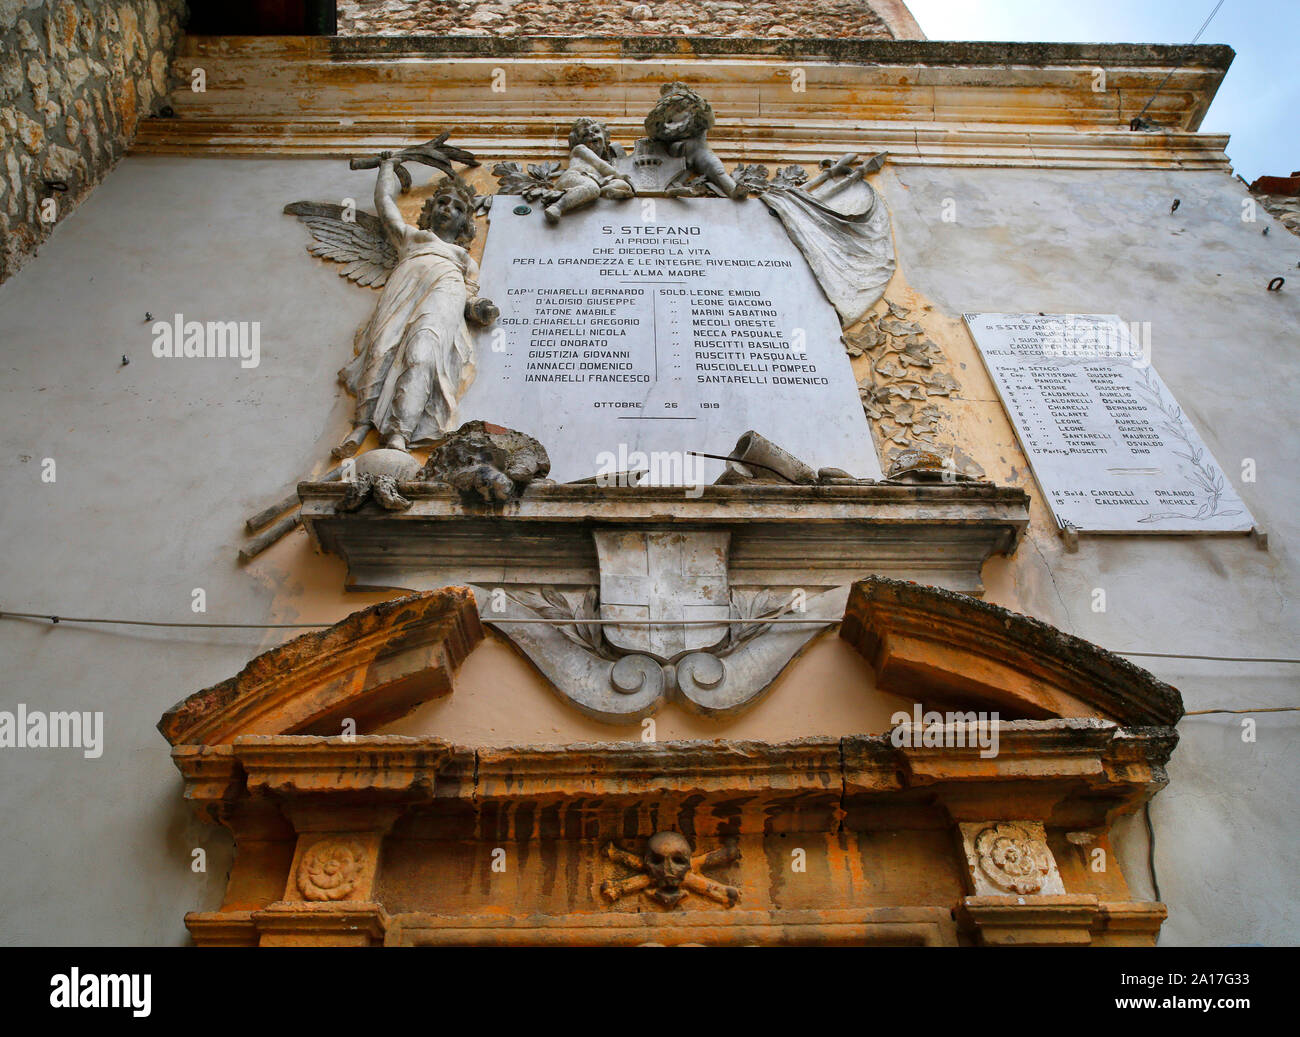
{"x": 386, "y": 188}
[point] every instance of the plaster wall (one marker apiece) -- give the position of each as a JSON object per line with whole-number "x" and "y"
{"x": 1105, "y": 242}
{"x": 159, "y": 461}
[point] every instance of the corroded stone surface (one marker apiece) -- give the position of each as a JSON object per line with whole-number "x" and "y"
{"x": 377, "y": 663}
{"x": 446, "y": 844}
{"x": 361, "y": 838}
{"x": 969, "y": 647}
{"x": 782, "y": 18}
{"x": 486, "y": 462}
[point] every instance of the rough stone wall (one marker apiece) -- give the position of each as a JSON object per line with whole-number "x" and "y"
{"x": 1285, "y": 207}
{"x": 783, "y": 18}
{"x": 75, "y": 79}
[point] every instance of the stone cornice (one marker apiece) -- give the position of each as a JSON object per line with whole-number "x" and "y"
{"x": 1064, "y": 755}
{"x": 927, "y": 102}
{"x": 940, "y": 533}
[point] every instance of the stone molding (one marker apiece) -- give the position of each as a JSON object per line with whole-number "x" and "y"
{"x": 344, "y": 840}
{"x": 925, "y": 102}
{"x": 936, "y": 533}
{"x": 1068, "y": 756}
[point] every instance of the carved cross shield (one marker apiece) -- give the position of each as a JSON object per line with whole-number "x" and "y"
{"x": 658, "y": 578}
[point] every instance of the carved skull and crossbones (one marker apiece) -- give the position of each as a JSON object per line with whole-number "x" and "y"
{"x": 668, "y": 870}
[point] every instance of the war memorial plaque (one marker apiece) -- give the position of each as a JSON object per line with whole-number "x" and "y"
{"x": 627, "y": 336}
{"x": 1107, "y": 441}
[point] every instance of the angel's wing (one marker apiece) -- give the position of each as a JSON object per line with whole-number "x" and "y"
{"x": 359, "y": 243}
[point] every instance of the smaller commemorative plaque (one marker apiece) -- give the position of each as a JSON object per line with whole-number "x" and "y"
{"x": 1107, "y": 441}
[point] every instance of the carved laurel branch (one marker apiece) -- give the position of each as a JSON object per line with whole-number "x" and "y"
{"x": 536, "y": 184}
{"x": 754, "y": 609}
{"x": 753, "y": 177}
{"x": 906, "y": 369}
{"x": 549, "y": 603}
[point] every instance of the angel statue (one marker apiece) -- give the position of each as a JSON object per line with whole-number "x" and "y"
{"x": 414, "y": 357}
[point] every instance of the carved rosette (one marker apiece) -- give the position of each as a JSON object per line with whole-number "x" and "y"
{"x": 1012, "y": 859}
{"x": 1007, "y": 858}
{"x": 332, "y": 869}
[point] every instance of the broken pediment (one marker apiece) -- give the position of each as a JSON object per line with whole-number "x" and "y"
{"x": 955, "y": 650}
{"x": 369, "y": 838}
{"x": 375, "y": 665}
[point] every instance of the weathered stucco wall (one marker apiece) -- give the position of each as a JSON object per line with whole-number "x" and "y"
{"x": 159, "y": 462}
{"x": 1106, "y": 242}
{"x": 75, "y": 80}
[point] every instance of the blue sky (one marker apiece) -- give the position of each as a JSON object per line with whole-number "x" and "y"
{"x": 1259, "y": 101}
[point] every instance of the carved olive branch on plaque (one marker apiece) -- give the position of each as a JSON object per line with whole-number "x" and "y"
{"x": 1202, "y": 475}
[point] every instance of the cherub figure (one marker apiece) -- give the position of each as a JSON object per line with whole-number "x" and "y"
{"x": 590, "y": 174}
{"x": 414, "y": 357}
{"x": 681, "y": 120}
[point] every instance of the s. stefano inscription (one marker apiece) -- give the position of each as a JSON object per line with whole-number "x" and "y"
{"x": 669, "y": 334}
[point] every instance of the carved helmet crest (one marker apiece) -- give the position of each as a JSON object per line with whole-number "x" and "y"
{"x": 676, "y": 99}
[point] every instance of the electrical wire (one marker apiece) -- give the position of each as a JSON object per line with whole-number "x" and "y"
{"x": 1210, "y": 658}
{"x": 5, "y": 614}
{"x": 1179, "y": 63}
{"x": 52, "y": 618}
{"x": 1151, "y": 850}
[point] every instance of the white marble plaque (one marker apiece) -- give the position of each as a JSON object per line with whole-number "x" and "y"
{"x": 643, "y": 339}
{"x": 1107, "y": 441}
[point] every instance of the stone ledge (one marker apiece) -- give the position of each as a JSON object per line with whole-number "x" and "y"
{"x": 887, "y": 926}
{"x": 1059, "y": 920}
{"x": 938, "y": 534}
{"x": 341, "y": 96}
{"x": 1062, "y": 757}
{"x": 926, "y": 636}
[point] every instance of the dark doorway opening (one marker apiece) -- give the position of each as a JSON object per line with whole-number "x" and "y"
{"x": 262, "y": 18}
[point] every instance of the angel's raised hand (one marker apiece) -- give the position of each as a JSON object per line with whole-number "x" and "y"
{"x": 482, "y": 312}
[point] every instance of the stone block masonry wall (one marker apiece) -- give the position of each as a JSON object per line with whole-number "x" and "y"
{"x": 75, "y": 79}
{"x": 782, "y": 18}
